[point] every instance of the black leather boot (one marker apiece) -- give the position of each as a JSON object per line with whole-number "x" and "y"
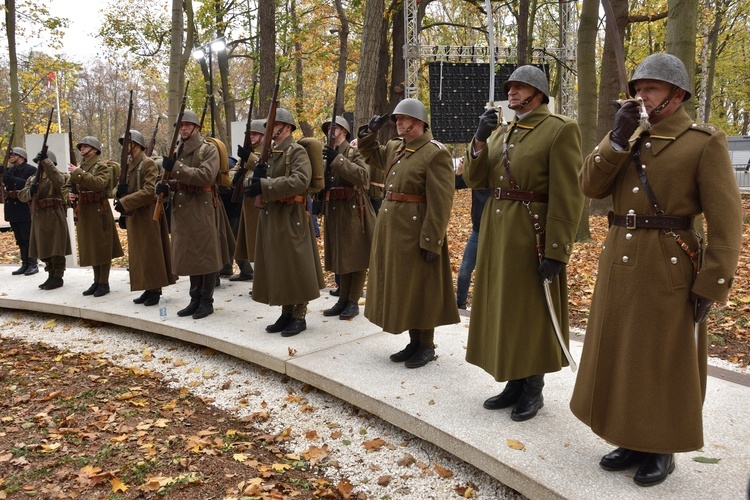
{"x": 508, "y": 397}
{"x": 32, "y": 269}
{"x": 142, "y": 298}
{"x": 101, "y": 290}
{"x": 206, "y": 305}
{"x": 24, "y": 261}
{"x": 337, "y": 308}
{"x": 44, "y": 285}
{"x": 621, "y": 459}
{"x": 655, "y": 469}
{"x": 531, "y": 400}
{"x": 352, "y": 310}
{"x": 90, "y": 290}
{"x": 424, "y": 355}
{"x": 21, "y": 270}
{"x": 405, "y": 353}
{"x": 295, "y": 327}
{"x": 152, "y": 299}
{"x": 280, "y": 324}
{"x": 195, "y": 297}
{"x": 53, "y": 283}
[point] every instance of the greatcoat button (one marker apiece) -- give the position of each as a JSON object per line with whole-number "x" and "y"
{"x": 427, "y": 239}
{"x": 385, "y": 209}
{"x": 648, "y": 145}
{"x": 628, "y": 236}
{"x": 721, "y": 281}
{"x": 414, "y": 217}
{"x": 497, "y": 211}
{"x": 673, "y": 260}
{"x": 511, "y": 146}
{"x": 636, "y": 189}
{"x": 597, "y": 159}
{"x": 555, "y": 245}
{"x": 502, "y": 178}
{"x": 625, "y": 258}
{"x": 390, "y": 186}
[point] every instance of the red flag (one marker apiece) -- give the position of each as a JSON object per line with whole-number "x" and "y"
{"x": 50, "y": 79}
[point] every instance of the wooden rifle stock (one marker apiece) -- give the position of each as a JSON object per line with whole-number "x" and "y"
{"x": 159, "y": 207}
{"x": 265, "y": 150}
{"x": 246, "y": 145}
{"x": 6, "y": 160}
{"x": 152, "y": 142}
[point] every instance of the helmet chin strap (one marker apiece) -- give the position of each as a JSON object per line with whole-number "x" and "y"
{"x": 658, "y": 109}
{"x": 523, "y": 103}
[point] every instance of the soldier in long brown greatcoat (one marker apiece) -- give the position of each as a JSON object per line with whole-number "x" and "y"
{"x": 642, "y": 378}
{"x": 287, "y": 263}
{"x": 410, "y": 284}
{"x": 149, "y": 253}
{"x": 349, "y": 219}
{"x": 532, "y": 170}
{"x": 50, "y": 240}
{"x": 248, "y": 226}
{"x": 196, "y": 250}
{"x": 98, "y": 243}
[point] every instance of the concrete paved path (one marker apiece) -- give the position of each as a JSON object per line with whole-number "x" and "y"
{"x": 441, "y": 403}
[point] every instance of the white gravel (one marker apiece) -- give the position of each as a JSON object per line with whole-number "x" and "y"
{"x": 313, "y": 417}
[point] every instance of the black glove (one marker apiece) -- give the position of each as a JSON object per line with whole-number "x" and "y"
{"x": 243, "y": 153}
{"x": 161, "y": 189}
{"x": 253, "y": 189}
{"x": 702, "y": 306}
{"x": 427, "y": 256}
{"x": 118, "y": 206}
{"x": 168, "y": 163}
{"x": 33, "y": 189}
{"x": 122, "y": 221}
{"x": 377, "y": 121}
{"x": 8, "y": 180}
{"x": 41, "y": 155}
{"x": 330, "y": 154}
{"x": 550, "y": 268}
{"x": 626, "y": 121}
{"x": 238, "y": 176}
{"x": 261, "y": 170}
{"x": 122, "y": 190}
{"x": 487, "y": 123}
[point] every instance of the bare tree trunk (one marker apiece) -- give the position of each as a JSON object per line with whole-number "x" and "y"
{"x": 708, "y": 61}
{"x": 398, "y": 65}
{"x": 523, "y": 32}
{"x": 369, "y": 63}
{"x": 15, "y": 96}
{"x": 225, "y": 97}
{"x": 267, "y": 35}
{"x": 343, "y": 55}
{"x": 587, "y": 101}
{"x": 299, "y": 80}
{"x": 681, "y": 33}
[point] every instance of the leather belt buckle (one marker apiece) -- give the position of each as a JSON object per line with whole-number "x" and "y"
{"x": 630, "y": 221}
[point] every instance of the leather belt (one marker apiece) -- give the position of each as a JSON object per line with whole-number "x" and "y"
{"x": 48, "y": 202}
{"x": 519, "y": 195}
{"x": 293, "y": 199}
{"x": 411, "y": 198}
{"x": 634, "y": 221}
{"x": 342, "y": 193}
{"x": 190, "y": 188}
{"x": 89, "y": 197}
{"x": 11, "y": 194}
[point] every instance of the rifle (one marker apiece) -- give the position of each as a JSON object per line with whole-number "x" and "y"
{"x": 73, "y": 161}
{"x": 159, "y": 207}
{"x": 265, "y": 149}
{"x": 329, "y": 140}
{"x": 205, "y": 108}
{"x": 5, "y": 162}
{"x": 126, "y": 144}
{"x": 38, "y": 176}
{"x": 247, "y": 145}
{"x": 152, "y": 142}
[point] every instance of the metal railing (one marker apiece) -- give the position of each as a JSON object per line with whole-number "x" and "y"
{"x": 742, "y": 175}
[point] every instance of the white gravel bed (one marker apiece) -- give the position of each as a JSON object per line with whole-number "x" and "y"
{"x": 403, "y": 467}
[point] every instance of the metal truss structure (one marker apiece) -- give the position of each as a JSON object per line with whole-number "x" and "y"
{"x": 564, "y": 57}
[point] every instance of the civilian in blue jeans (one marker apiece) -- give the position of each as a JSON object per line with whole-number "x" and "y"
{"x": 469, "y": 259}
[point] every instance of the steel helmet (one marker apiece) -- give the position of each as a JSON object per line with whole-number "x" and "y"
{"x": 413, "y": 108}
{"x": 258, "y": 126}
{"x": 284, "y": 116}
{"x": 341, "y": 122}
{"x": 20, "y": 152}
{"x": 665, "y": 68}
{"x": 51, "y": 156}
{"x": 136, "y": 137}
{"x": 530, "y": 75}
{"x": 90, "y": 141}
{"x": 190, "y": 117}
